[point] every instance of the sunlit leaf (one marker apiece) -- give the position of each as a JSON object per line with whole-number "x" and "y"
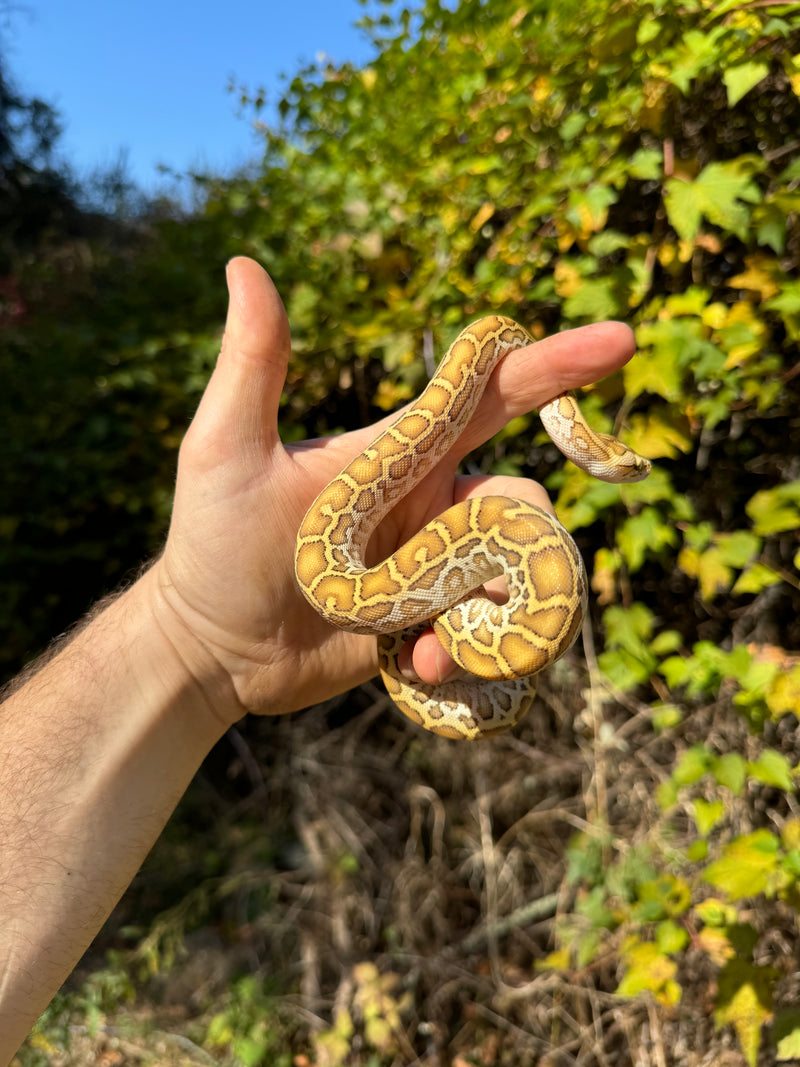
{"x": 730, "y": 770}
{"x": 707, "y": 814}
{"x": 692, "y": 765}
{"x": 754, "y": 579}
{"x": 715, "y": 912}
{"x": 745, "y": 865}
{"x": 783, "y": 695}
{"x": 718, "y": 194}
{"x": 745, "y": 998}
{"x": 648, "y": 969}
{"x": 775, "y": 510}
{"x": 655, "y": 437}
{"x": 786, "y": 1030}
{"x": 772, "y": 768}
{"x": 741, "y": 79}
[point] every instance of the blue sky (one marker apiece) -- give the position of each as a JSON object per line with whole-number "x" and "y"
{"x": 150, "y": 76}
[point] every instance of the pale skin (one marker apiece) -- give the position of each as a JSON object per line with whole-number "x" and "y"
{"x": 98, "y": 746}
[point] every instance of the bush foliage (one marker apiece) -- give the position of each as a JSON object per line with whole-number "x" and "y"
{"x": 561, "y": 163}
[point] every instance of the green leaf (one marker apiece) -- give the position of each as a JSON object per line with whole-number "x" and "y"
{"x": 786, "y": 1029}
{"x": 645, "y": 533}
{"x": 692, "y": 765}
{"x": 714, "y": 912}
{"x": 730, "y": 771}
{"x": 697, "y": 851}
{"x": 684, "y": 203}
{"x": 754, "y": 579}
{"x": 596, "y": 300}
{"x": 648, "y": 30}
{"x": 737, "y": 549}
{"x": 250, "y": 1048}
{"x": 740, "y": 80}
{"x": 671, "y": 937}
{"x": 607, "y": 242}
{"x": 657, "y": 372}
{"x": 707, "y": 814}
{"x": 667, "y": 894}
{"x": 717, "y": 193}
{"x": 697, "y": 51}
{"x": 744, "y": 868}
{"x": 573, "y": 125}
{"x": 775, "y": 510}
{"x": 665, "y": 642}
{"x": 666, "y": 716}
{"x": 667, "y": 794}
{"x": 772, "y": 768}
{"x": 646, "y": 163}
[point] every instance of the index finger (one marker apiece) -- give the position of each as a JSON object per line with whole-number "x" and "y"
{"x": 528, "y": 377}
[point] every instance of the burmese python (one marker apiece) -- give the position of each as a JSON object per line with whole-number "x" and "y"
{"x": 430, "y": 576}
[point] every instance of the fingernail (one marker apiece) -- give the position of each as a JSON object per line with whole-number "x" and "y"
{"x": 408, "y": 673}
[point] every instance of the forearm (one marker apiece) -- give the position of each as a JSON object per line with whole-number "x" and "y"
{"x": 95, "y": 751}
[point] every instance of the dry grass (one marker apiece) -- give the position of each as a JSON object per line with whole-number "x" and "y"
{"x": 345, "y": 836}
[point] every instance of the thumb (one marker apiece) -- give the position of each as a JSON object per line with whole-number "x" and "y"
{"x": 239, "y": 409}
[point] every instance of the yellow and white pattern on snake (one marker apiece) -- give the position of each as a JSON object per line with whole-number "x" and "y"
{"x": 437, "y": 574}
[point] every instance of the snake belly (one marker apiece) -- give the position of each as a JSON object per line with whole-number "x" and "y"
{"x": 436, "y": 577}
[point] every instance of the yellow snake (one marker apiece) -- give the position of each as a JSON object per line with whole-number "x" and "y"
{"x": 431, "y": 576}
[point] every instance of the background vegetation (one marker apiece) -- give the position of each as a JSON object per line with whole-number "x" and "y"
{"x": 619, "y": 881}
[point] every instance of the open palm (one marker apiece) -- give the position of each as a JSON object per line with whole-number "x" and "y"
{"x": 227, "y": 569}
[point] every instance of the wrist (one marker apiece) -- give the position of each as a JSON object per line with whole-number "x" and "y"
{"x": 191, "y": 665}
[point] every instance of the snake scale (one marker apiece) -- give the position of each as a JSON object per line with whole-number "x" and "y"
{"x": 437, "y": 575}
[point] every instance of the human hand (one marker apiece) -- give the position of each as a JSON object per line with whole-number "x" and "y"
{"x": 230, "y": 601}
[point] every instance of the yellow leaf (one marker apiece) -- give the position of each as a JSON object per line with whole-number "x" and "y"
{"x": 716, "y": 944}
{"x": 716, "y": 912}
{"x": 783, "y": 695}
{"x": 657, "y": 437}
{"x": 391, "y": 394}
{"x": 555, "y": 961}
{"x": 42, "y": 1043}
{"x": 567, "y": 279}
{"x": 790, "y": 834}
{"x": 713, "y": 574}
{"x": 744, "y": 998}
{"x": 649, "y": 970}
{"x": 541, "y": 89}
{"x": 745, "y": 866}
{"x": 654, "y": 100}
{"x": 450, "y": 216}
{"x": 651, "y": 375}
{"x": 714, "y": 315}
{"x": 332, "y": 1046}
{"x": 760, "y": 279}
{"x": 482, "y": 215}
{"x": 604, "y": 575}
{"x": 366, "y": 973}
{"x": 672, "y": 256}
